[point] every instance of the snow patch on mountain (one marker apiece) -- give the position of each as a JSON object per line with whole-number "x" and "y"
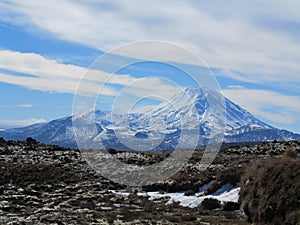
{"x": 194, "y": 113}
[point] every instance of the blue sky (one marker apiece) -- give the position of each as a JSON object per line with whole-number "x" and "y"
{"x": 47, "y": 47}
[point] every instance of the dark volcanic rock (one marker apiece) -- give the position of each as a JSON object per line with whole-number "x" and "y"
{"x": 45, "y": 184}
{"x": 231, "y": 206}
{"x": 211, "y": 203}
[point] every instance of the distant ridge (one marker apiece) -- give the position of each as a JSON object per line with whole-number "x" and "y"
{"x": 192, "y": 103}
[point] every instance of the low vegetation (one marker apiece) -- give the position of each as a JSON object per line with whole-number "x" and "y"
{"x": 42, "y": 184}
{"x": 270, "y": 191}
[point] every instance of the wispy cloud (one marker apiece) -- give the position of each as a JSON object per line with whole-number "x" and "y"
{"x": 6, "y": 124}
{"x": 244, "y": 39}
{"x": 270, "y": 105}
{"x": 235, "y": 36}
{"x": 25, "y": 105}
{"x": 17, "y": 106}
{"x": 235, "y": 87}
{"x": 53, "y": 76}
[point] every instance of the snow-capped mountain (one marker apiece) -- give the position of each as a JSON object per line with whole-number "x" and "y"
{"x": 192, "y": 117}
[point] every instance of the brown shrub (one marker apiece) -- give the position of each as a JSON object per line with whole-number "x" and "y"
{"x": 270, "y": 191}
{"x": 23, "y": 174}
{"x": 294, "y": 217}
{"x": 229, "y": 175}
{"x": 149, "y": 206}
{"x": 128, "y": 214}
{"x": 290, "y": 152}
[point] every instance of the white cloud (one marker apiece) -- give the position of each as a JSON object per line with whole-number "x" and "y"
{"x": 6, "y": 124}
{"x": 244, "y": 39}
{"x": 25, "y": 105}
{"x": 17, "y": 106}
{"x": 280, "y": 117}
{"x": 284, "y": 108}
{"x": 230, "y": 35}
{"x": 235, "y": 87}
{"x": 49, "y": 75}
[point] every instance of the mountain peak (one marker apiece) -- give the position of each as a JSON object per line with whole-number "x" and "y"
{"x": 184, "y": 112}
{"x": 193, "y": 91}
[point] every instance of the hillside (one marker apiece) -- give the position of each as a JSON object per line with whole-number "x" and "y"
{"x": 42, "y": 184}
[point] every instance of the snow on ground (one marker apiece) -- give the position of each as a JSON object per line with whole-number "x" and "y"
{"x": 227, "y": 193}
{"x": 124, "y": 194}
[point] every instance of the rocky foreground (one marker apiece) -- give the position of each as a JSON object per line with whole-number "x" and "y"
{"x": 42, "y": 184}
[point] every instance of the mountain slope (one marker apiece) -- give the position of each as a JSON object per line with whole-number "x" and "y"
{"x": 191, "y": 113}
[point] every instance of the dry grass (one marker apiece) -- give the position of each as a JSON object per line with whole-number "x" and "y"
{"x": 290, "y": 152}
{"x": 271, "y": 191}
